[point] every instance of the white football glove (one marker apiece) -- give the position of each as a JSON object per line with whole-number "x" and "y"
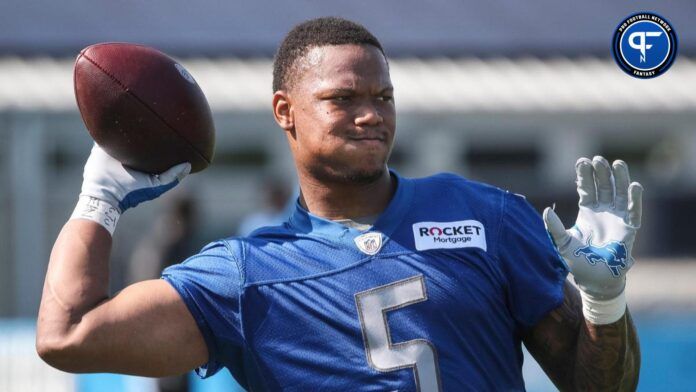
{"x": 598, "y": 247}
{"x": 106, "y": 180}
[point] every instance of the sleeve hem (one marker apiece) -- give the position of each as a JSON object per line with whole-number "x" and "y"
{"x": 558, "y": 299}
{"x": 213, "y": 365}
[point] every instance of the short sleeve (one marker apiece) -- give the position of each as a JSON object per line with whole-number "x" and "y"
{"x": 209, "y": 283}
{"x": 534, "y": 271}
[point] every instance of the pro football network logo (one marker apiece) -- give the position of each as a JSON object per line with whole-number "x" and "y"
{"x": 613, "y": 254}
{"x": 644, "y": 45}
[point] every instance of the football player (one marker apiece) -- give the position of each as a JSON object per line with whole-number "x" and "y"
{"x": 375, "y": 281}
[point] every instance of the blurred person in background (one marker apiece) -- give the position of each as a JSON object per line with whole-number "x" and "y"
{"x": 276, "y": 209}
{"x": 170, "y": 240}
{"x": 376, "y": 280}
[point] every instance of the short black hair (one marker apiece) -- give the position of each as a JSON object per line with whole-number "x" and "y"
{"x": 313, "y": 33}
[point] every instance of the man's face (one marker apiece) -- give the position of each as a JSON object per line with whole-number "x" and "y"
{"x": 343, "y": 113}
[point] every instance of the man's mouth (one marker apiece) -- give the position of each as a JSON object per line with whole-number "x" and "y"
{"x": 367, "y": 138}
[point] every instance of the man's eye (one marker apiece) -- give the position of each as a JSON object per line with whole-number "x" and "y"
{"x": 341, "y": 98}
{"x": 386, "y": 98}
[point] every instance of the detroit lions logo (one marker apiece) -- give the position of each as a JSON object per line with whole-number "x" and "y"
{"x": 613, "y": 254}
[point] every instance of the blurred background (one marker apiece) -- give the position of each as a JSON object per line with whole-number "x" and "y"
{"x": 505, "y": 92}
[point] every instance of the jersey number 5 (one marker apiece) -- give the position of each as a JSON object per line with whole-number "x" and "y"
{"x": 382, "y": 354}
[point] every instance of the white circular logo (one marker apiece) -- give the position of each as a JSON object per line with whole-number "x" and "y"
{"x": 185, "y": 73}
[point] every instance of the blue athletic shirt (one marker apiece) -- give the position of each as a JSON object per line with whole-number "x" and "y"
{"x": 434, "y": 296}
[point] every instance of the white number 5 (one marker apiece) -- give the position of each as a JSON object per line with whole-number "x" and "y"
{"x": 382, "y": 354}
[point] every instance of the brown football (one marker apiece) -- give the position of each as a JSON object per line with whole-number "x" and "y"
{"x": 143, "y": 108}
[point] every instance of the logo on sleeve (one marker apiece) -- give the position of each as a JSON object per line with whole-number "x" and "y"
{"x": 449, "y": 235}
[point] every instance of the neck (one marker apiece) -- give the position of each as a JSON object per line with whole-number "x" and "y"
{"x": 346, "y": 201}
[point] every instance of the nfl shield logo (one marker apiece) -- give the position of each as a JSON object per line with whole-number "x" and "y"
{"x": 369, "y": 243}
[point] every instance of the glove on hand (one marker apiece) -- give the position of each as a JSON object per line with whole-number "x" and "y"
{"x": 106, "y": 180}
{"x": 598, "y": 248}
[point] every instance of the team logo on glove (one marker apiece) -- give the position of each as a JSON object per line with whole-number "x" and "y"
{"x": 613, "y": 254}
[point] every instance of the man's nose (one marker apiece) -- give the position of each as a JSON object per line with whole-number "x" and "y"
{"x": 368, "y": 114}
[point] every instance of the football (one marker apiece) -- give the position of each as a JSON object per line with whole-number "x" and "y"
{"x": 143, "y": 108}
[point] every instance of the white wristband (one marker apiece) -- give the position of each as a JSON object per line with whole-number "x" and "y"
{"x": 601, "y": 312}
{"x": 96, "y": 210}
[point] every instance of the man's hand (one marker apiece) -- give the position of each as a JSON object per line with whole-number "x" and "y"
{"x": 108, "y": 180}
{"x": 596, "y": 347}
{"x": 598, "y": 247}
{"x": 109, "y": 188}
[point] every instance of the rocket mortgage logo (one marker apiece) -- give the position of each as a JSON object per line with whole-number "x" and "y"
{"x": 449, "y": 235}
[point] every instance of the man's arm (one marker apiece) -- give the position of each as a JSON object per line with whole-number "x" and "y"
{"x": 589, "y": 342}
{"x": 145, "y": 330}
{"x": 578, "y": 355}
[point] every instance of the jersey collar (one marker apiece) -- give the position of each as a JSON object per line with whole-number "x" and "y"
{"x": 305, "y": 222}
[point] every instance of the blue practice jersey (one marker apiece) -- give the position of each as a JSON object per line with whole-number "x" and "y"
{"x": 434, "y": 296}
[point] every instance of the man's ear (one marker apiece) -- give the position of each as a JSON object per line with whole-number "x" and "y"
{"x": 283, "y": 111}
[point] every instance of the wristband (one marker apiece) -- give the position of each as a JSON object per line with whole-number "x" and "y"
{"x": 96, "y": 210}
{"x": 602, "y": 312}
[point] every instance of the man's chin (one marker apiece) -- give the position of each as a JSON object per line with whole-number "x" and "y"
{"x": 364, "y": 177}
{"x": 349, "y": 176}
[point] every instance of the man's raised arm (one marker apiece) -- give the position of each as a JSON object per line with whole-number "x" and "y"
{"x": 144, "y": 330}
{"x": 590, "y": 342}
